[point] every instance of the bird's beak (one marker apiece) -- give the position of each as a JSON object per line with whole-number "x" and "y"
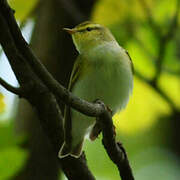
{"x": 70, "y": 31}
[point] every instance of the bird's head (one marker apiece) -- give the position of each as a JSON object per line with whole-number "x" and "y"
{"x": 88, "y": 35}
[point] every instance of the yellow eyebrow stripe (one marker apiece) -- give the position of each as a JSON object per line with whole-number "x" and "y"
{"x": 85, "y": 29}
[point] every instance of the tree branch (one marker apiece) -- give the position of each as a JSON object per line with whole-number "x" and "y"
{"x": 62, "y": 93}
{"x": 15, "y": 90}
{"x": 114, "y": 149}
{"x": 163, "y": 41}
{"x": 41, "y": 95}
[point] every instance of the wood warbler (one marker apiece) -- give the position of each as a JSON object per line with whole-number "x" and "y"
{"x": 103, "y": 70}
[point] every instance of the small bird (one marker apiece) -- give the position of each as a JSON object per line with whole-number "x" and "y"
{"x": 103, "y": 70}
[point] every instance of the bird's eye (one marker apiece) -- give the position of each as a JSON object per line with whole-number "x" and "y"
{"x": 88, "y": 29}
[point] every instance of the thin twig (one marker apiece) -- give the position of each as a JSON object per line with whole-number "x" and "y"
{"x": 163, "y": 42}
{"x": 7, "y": 86}
{"x": 44, "y": 100}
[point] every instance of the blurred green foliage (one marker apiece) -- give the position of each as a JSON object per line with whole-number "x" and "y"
{"x": 23, "y": 8}
{"x": 12, "y": 156}
{"x": 145, "y": 125}
{"x": 134, "y": 32}
{"x": 2, "y": 104}
{"x": 12, "y": 159}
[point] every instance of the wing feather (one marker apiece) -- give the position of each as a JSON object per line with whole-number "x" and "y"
{"x": 76, "y": 72}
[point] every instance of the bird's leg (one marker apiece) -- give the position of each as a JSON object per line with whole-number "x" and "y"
{"x": 96, "y": 130}
{"x": 109, "y": 109}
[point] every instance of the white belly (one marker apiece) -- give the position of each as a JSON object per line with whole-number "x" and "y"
{"x": 111, "y": 83}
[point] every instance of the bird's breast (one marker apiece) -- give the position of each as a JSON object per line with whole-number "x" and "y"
{"x": 108, "y": 78}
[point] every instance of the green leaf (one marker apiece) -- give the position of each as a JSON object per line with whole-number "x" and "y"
{"x": 163, "y": 11}
{"x": 12, "y": 159}
{"x": 107, "y": 11}
{"x": 146, "y": 37}
{"x": 171, "y": 61}
{"x": 23, "y": 8}
{"x": 8, "y": 137}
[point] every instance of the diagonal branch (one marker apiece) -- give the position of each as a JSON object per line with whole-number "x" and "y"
{"x": 83, "y": 106}
{"x": 15, "y": 90}
{"x": 163, "y": 41}
{"x": 41, "y": 95}
{"x": 114, "y": 149}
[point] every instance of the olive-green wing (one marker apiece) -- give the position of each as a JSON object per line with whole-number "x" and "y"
{"x": 76, "y": 73}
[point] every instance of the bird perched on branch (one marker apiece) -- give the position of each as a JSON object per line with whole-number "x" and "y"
{"x": 103, "y": 70}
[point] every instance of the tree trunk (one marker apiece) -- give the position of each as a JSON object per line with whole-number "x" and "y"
{"x": 55, "y": 49}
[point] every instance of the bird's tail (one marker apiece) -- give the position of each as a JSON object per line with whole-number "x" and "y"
{"x": 66, "y": 150}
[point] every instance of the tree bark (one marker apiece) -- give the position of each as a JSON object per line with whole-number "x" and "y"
{"x": 56, "y": 51}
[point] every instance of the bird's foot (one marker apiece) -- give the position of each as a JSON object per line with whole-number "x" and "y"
{"x": 96, "y": 129}
{"x": 110, "y": 110}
